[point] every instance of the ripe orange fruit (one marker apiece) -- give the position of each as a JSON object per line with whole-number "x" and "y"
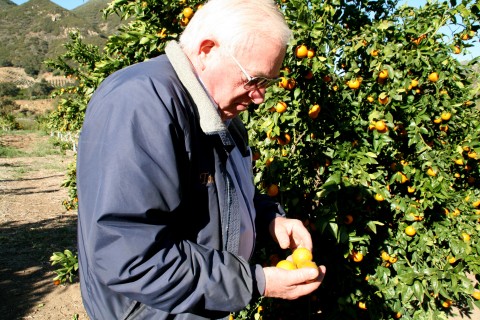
{"x": 283, "y": 82}
{"x": 269, "y": 161}
{"x": 272, "y": 190}
{"x": 281, "y": 107}
{"x": 301, "y": 255}
{"x": 452, "y": 260}
{"x": 458, "y": 161}
{"x": 410, "y": 189}
{"x": 362, "y": 305}
{"x": 314, "y": 111}
{"x": 414, "y": 83}
{"x": 457, "y": 50}
{"x": 465, "y": 237}
{"x": 379, "y": 197}
{"x": 433, "y": 77}
{"x": 310, "y": 53}
{"x": 476, "y": 204}
{"x": 353, "y": 84}
{"x": 383, "y": 74}
{"x": 370, "y": 99}
{"x": 410, "y": 231}
{"x": 188, "y": 12}
{"x": 286, "y": 264}
{"x": 403, "y": 177}
{"x": 465, "y": 36}
{"x": 385, "y": 256}
{"x": 398, "y": 315}
{"x": 476, "y": 295}
{"x": 393, "y": 259}
{"x": 291, "y": 84}
{"x": 472, "y": 155}
{"x": 357, "y": 256}
{"x": 301, "y": 51}
{"x": 446, "y": 116}
{"x": 184, "y": 21}
{"x": 348, "y": 219}
{"x": 307, "y": 264}
{"x": 380, "y": 126}
{"x": 447, "y": 303}
{"x": 383, "y": 100}
{"x": 374, "y": 53}
{"x": 431, "y": 172}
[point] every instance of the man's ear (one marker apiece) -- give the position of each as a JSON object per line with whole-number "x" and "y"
{"x": 205, "y": 49}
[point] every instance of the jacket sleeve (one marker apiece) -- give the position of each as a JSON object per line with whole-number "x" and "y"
{"x": 132, "y": 162}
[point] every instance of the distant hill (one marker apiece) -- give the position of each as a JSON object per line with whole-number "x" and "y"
{"x": 36, "y": 30}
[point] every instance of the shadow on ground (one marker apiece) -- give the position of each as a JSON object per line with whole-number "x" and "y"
{"x": 25, "y": 272}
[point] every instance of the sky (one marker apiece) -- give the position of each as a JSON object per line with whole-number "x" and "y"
{"x": 474, "y": 51}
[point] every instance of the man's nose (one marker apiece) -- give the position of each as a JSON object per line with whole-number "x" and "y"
{"x": 258, "y": 95}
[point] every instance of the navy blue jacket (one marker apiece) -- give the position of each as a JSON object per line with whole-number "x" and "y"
{"x": 157, "y": 234}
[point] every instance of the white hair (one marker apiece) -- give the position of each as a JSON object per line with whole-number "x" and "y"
{"x": 234, "y": 24}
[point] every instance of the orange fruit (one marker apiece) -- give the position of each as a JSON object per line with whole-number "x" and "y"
{"x": 379, "y": 197}
{"x": 310, "y": 53}
{"x": 465, "y": 36}
{"x": 314, "y": 111}
{"x": 447, "y": 303}
{"x": 380, "y": 126}
{"x": 398, "y": 315}
{"x": 301, "y": 255}
{"x": 452, "y": 260}
{"x": 374, "y": 53}
{"x": 307, "y": 264}
{"x": 431, "y": 172}
{"x": 385, "y": 256}
{"x": 410, "y": 189}
{"x": 465, "y": 237}
{"x": 370, "y": 99}
{"x": 458, "y": 161}
{"x": 291, "y": 84}
{"x": 301, "y": 51}
{"x": 414, "y": 83}
{"x": 357, "y": 256}
{"x": 476, "y": 295}
{"x": 383, "y": 74}
{"x": 272, "y": 190}
{"x": 383, "y": 100}
{"x": 476, "y": 204}
{"x": 286, "y": 264}
{"x": 269, "y": 161}
{"x": 353, "y": 84}
{"x": 393, "y": 259}
{"x": 433, "y": 77}
{"x": 188, "y": 12}
{"x": 403, "y": 177}
{"x": 281, "y": 107}
{"x": 410, "y": 231}
{"x": 362, "y": 305}
{"x": 472, "y": 155}
{"x": 283, "y": 82}
{"x": 446, "y": 116}
{"x": 348, "y": 219}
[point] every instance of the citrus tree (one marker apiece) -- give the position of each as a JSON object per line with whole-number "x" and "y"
{"x": 371, "y": 138}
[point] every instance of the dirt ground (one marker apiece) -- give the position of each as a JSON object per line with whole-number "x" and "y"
{"x": 33, "y": 225}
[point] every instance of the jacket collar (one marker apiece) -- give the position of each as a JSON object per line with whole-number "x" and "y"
{"x": 210, "y": 120}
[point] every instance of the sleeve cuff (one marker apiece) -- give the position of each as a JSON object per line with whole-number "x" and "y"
{"x": 258, "y": 281}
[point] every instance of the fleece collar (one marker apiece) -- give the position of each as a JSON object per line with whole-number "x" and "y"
{"x": 210, "y": 120}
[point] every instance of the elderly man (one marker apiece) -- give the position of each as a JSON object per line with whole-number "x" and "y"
{"x": 168, "y": 212}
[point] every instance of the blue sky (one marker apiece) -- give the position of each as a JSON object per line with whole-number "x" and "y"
{"x": 474, "y": 51}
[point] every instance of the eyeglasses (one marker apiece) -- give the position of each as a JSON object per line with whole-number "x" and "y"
{"x": 255, "y": 82}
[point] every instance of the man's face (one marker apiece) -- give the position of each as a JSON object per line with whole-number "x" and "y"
{"x": 225, "y": 80}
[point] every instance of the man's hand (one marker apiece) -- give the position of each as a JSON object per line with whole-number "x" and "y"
{"x": 290, "y": 233}
{"x": 292, "y": 284}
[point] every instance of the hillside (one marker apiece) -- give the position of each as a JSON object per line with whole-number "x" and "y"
{"x": 36, "y": 30}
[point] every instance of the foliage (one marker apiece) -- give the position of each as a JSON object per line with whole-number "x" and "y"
{"x": 68, "y": 265}
{"x": 380, "y": 134}
{"x": 9, "y": 89}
